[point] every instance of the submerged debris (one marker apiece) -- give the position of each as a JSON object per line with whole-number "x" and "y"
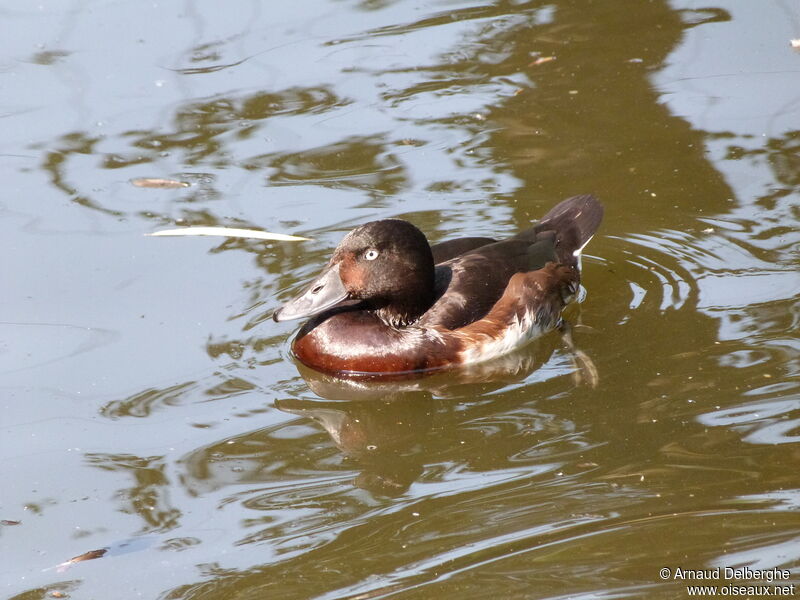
{"x": 90, "y": 555}
{"x": 541, "y": 60}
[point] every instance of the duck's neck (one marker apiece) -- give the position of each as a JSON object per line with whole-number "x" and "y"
{"x": 402, "y": 312}
{"x": 406, "y": 307}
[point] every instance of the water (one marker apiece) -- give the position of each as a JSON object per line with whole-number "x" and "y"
{"x": 151, "y": 409}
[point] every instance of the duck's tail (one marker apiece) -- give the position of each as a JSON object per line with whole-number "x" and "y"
{"x": 574, "y": 221}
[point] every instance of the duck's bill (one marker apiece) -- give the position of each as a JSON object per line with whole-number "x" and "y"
{"x": 325, "y": 292}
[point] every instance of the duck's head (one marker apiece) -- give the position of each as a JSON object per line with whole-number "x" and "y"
{"x": 385, "y": 266}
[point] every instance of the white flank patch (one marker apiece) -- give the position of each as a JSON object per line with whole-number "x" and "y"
{"x": 517, "y": 334}
{"x": 577, "y": 253}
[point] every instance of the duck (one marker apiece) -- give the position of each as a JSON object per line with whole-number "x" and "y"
{"x": 389, "y": 303}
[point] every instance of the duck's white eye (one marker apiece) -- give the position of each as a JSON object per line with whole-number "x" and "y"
{"x": 371, "y": 254}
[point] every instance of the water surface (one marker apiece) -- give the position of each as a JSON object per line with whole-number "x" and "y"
{"x": 151, "y": 408}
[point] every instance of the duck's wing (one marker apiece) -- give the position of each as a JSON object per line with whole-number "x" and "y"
{"x": 450, "y": 249}
{"x": 470, "y": 284}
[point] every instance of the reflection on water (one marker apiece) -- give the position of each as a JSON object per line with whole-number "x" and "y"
{"x": 149, "y": 405}
{"x": 148, "y": 497}
{"x": 380, "y": 435}
{"x": 386, "y": 446}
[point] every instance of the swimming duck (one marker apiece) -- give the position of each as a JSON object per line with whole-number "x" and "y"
{"x": 390, "y": 303}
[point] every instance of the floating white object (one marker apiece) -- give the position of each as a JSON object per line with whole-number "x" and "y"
{"x": 158, "y": 182}
{"x": 230, "y": 232}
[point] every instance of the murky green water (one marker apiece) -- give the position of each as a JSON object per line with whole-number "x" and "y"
{"x": 150, "y": 408}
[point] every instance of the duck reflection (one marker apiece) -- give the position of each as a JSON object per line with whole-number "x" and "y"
{"x": 384, "y": 437}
